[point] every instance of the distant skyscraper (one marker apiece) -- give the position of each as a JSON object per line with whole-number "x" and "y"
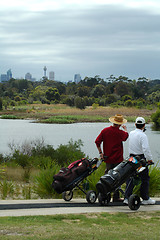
{"x": 77, "y": 78}
{"x": 51, "y": 75}
{"x": 45, "y": 71}
{"x": 9, "y": 74}
{"x": 28, "y": 76}
{"x": 4, "y": 78}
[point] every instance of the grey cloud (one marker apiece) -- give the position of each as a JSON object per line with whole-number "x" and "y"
{"x": 107, "y": 40}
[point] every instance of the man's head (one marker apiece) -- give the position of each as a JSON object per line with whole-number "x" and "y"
{"x": 140, "y": 122}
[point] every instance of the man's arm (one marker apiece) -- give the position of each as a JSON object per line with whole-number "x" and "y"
{"x": 98, "y": 142}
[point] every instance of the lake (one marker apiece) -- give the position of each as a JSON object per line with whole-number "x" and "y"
{"x": 18, "y": 131}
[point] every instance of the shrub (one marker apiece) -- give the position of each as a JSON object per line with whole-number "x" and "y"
{"x": 154, "y": 183}
{"x": 65, "y": 154}
{"x": 79, "y": 103}
{"x": 156, "y": 118}
{"x": 43, "y": 182}
{"x": 95, "y": 105}
{"x": 6, "y": 189}
{"x": 128, "y": 103}
{"x": 37, "y": 154}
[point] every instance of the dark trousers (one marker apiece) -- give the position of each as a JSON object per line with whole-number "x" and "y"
{"x": 110, "y": 166}
{"x": 144, "y": 189}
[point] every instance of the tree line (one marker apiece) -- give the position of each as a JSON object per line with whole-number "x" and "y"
{"x": 91, "y": 91}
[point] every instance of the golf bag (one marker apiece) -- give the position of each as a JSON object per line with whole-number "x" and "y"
{"x": 67, "y": 175}
{"x": 118, "y": 175}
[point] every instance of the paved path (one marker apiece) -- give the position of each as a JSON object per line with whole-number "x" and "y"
{"x": 59, "y": 206}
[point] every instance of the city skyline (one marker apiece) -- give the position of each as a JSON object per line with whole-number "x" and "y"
{"x": 28, "y": 76}
{"x": 93, "y": 37}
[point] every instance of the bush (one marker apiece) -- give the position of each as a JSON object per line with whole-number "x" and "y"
{"x": 128, "y": 103}
{"x": 79, "y": 103}
{"x": 37, "y": 154}
{"x": 6, "y": 189}
{"x": 43, "y": 182}
{"x": 65, "y": 154}
{"x": 154, "y": 183}
{"x": 156, "y": 118}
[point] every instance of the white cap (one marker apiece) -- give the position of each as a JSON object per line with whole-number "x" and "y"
{"x": 140, "y": 120}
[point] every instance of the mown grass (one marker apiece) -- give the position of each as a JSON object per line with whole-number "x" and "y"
{"x": 99, "y": 226}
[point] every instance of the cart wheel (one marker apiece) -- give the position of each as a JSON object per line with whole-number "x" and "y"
{"x": 104, "y": 200}
{"x": 134, "y": 202}
{"x": 67, "y": 195}
{"x": 91, "y": 196}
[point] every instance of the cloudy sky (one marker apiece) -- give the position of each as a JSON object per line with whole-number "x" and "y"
{"x": 89, "y": 37}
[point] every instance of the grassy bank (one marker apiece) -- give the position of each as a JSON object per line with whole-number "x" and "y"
{"x": 27, "y": 172}
{"x": 101, "y": 226}
{"x": 60, "y": 113}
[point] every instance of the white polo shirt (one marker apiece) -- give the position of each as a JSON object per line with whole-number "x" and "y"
{"x": 138, "y": 144}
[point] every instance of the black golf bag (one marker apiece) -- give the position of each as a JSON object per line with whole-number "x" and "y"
{"x": 118, "y": 175}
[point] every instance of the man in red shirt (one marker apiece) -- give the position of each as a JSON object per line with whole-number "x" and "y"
{"x": 112, "y": 138}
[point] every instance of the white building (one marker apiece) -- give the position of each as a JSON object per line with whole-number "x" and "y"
{"x": 28, "y": 76}
{"x": 51, "y": 75}
{"x": 77, "y": 78}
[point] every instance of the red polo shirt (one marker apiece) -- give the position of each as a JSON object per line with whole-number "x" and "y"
{"x": 112, "y": 138}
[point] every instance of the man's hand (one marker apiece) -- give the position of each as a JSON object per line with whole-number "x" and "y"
{"x": 124, "y": 127}
{"x": 150, "y": 162}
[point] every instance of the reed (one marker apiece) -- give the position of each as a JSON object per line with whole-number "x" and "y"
{"x": 44, "y": 111}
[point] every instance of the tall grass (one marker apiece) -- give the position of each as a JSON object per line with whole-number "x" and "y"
{"x": 44, "y": 111}
{"x": 43, "y": 182}
{"x": 154, "y": 183}
{"x": 33, "y": 165}
{"x": 6, "y": 189}
{"x": 43, "y": 162}
{"x": 73, "y": 119}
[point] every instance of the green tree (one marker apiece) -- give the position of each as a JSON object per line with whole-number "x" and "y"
{"x": 121, "y": 88}
{"x": 154, "y": 97}
{"x": 126, "y": 97}
{"x": 98, "y": 91}
{"x": 38, "y": 93}
{"x": 83, "y": 91}
{"x": 52, "y": 94}
{"x": 111, "y": 98}
{"x": 79, "y": 103}
{"x": 156, "y": 118}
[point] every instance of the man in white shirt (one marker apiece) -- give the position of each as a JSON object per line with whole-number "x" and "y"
{"x": 138, "y": 145}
